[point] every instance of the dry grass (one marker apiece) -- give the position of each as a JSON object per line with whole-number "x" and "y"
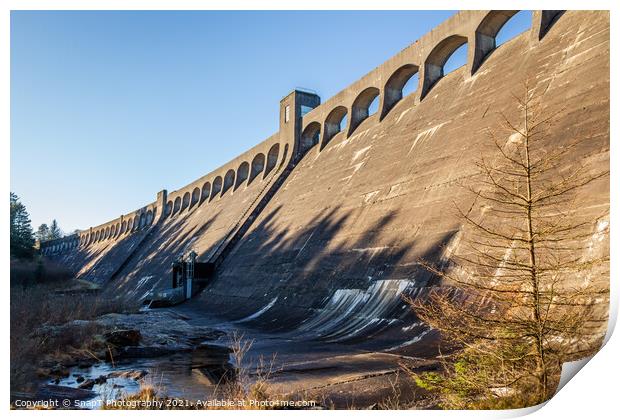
{"x": 247, "y": 386}
{"x": 35, "y": 307}
{"x": 36, "y": 272}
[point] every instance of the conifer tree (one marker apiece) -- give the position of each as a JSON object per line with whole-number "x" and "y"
{"x": 55, "y": 231}
{"x": 43, "y": 232}
{"x": 524, "y": 293}
{"x": 22, "y": 238}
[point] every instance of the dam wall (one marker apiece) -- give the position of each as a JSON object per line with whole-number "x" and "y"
{"x": 343, "y": 238}
{"x": 324, "y": 243}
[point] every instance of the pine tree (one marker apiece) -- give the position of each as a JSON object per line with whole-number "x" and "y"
{"x": 55, "y": 232}
{"x": 22, "y": 239}
{"x": 43, "y": 232}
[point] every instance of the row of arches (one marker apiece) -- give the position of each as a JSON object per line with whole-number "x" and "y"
{"x": 496, "y": 28}
{"x": 118, "y": 229}
{"x": 245, "y": 174}
{"x": 65, "y": 245}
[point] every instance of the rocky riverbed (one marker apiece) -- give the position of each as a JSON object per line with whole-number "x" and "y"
{"x": 185, "y": 354}
{"x": 127, "y": 349}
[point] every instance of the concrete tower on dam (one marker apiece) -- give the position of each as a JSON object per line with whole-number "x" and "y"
{"x": 320, "y": 228}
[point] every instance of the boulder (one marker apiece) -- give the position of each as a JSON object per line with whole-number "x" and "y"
{"x": 123, "y": 338}
{"x": 101, "y": 380}
{"x": 59, "y": 371}
{"x": 87, "y": 384}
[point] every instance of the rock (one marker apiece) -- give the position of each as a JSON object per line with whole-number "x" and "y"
{"x": 88, "y": 384}
{"x": 59, "y": 371}
{"x": 138, "y": 375}
{"x": 79, "y": 379}
{"x": 129, "y": 374}
{"x": 123, "y": 338}
{"x": 216, "y": 350}
{"x": 101, "y": 380}
{"x": 150, "y": 351}
{"x": 52, "y": 392}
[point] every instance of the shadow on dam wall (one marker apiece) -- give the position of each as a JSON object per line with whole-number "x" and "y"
{"x": 275, "y": 281}
{"x": 167, "y": 242}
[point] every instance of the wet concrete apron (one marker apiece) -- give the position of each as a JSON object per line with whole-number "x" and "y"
{"x": 185, "y": 353}
{"x": 340, "y": 375}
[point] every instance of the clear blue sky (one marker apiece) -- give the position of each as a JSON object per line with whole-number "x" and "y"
{"x": 108, "y": 108}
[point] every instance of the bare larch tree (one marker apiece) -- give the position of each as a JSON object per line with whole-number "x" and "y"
{"x": 524, "y": 292}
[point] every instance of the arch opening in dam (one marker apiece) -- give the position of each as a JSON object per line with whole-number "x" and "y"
{"x": 402, "y": 82}
{"x": 186, "y": 200}
{"x": 438, "y": 58}
{"x": 547, "y": 20}
{"x": 206, "y": 190}
{"x": 243, "y": 171}
{"x": 217, "y": 187}
{"x": 361, "y": 107}
{"x": 310, "y": 136}
{"x": 517, "y": 24}
{"x": 334, "y": 123}
{"x": 272, "y": 158}
{"x": 258, "y": 164}
{"x": 497, "y": 28}
{"x": 195, "y": 197}
{"x": 229, "y": 180}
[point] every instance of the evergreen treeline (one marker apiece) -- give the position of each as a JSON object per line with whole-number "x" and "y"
{"x": 22, "y": 238}
{"x": 22, "y": 235}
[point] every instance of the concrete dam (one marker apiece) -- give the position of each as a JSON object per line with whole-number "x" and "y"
{"x": 316, "y": 232}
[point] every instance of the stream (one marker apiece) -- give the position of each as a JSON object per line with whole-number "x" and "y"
{"x": 192, "y": 375}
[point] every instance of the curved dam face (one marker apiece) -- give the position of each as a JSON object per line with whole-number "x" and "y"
{"x": 341, "y": 240}
{"x": 325, "y": 244}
